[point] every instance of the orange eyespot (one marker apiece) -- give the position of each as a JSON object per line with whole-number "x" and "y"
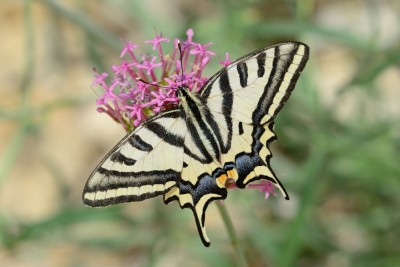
{"x": 227, "y": 180}
{"x": 233, "y": 174}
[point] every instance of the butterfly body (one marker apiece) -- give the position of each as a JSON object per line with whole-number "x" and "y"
{"x": 222, "y": 134}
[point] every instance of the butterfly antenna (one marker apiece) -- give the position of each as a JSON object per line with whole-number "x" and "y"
{"x": 167, "y": 87}
{"x": 180, "y": 58}
{"x": 152, "y": 84}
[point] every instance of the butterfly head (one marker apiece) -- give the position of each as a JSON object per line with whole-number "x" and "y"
{"x": 181, "y": 92}
{"x": 186, "y": 97}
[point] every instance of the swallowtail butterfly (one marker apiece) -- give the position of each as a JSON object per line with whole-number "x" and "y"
{"x": 189, "y": 152}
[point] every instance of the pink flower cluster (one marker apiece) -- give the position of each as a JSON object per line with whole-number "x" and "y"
{"x": 143, "y": 86}
{"x": 264, "y": 186}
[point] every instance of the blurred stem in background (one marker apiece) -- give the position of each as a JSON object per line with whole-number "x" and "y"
{"x": 235, "y": 241}
{"x": 25, "y": 124}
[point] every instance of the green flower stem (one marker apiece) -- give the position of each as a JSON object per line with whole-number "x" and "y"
{"x": 240, "y": 257}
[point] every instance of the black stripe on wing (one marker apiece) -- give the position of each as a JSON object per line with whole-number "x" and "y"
{"x": 261, "y": 64}
{"x": 243, "y": 74}
{"x": 120, "y": 158}
{"x": 130, "y": 182}
{"x": 269, "y": 90}
{"x": 134, "y": 179}
{"x": 226, "y": 108}
{"x": 280, "y": 67}
{"x": 198, "y": 126}
{"x": 227, "y": 101}
{"x": 164, "y": 134}
{"x": 139, "y": 144}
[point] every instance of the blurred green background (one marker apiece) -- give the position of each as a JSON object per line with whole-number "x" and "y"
{"x": 337, "y": 152}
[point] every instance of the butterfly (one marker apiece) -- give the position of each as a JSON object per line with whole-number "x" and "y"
{"x": 222, "y": 134}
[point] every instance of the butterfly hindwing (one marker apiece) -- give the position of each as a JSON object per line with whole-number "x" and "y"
{"x": 197, "y": 197}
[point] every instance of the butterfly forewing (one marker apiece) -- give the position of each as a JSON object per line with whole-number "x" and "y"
{"x": 140, "y": 167}
{"x": 261, "y": 82}
{"x": 189, "y": 153}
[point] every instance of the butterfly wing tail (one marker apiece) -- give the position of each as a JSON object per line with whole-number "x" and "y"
{"x": 253, "y": 162}
{"x": 197, "y": 198}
